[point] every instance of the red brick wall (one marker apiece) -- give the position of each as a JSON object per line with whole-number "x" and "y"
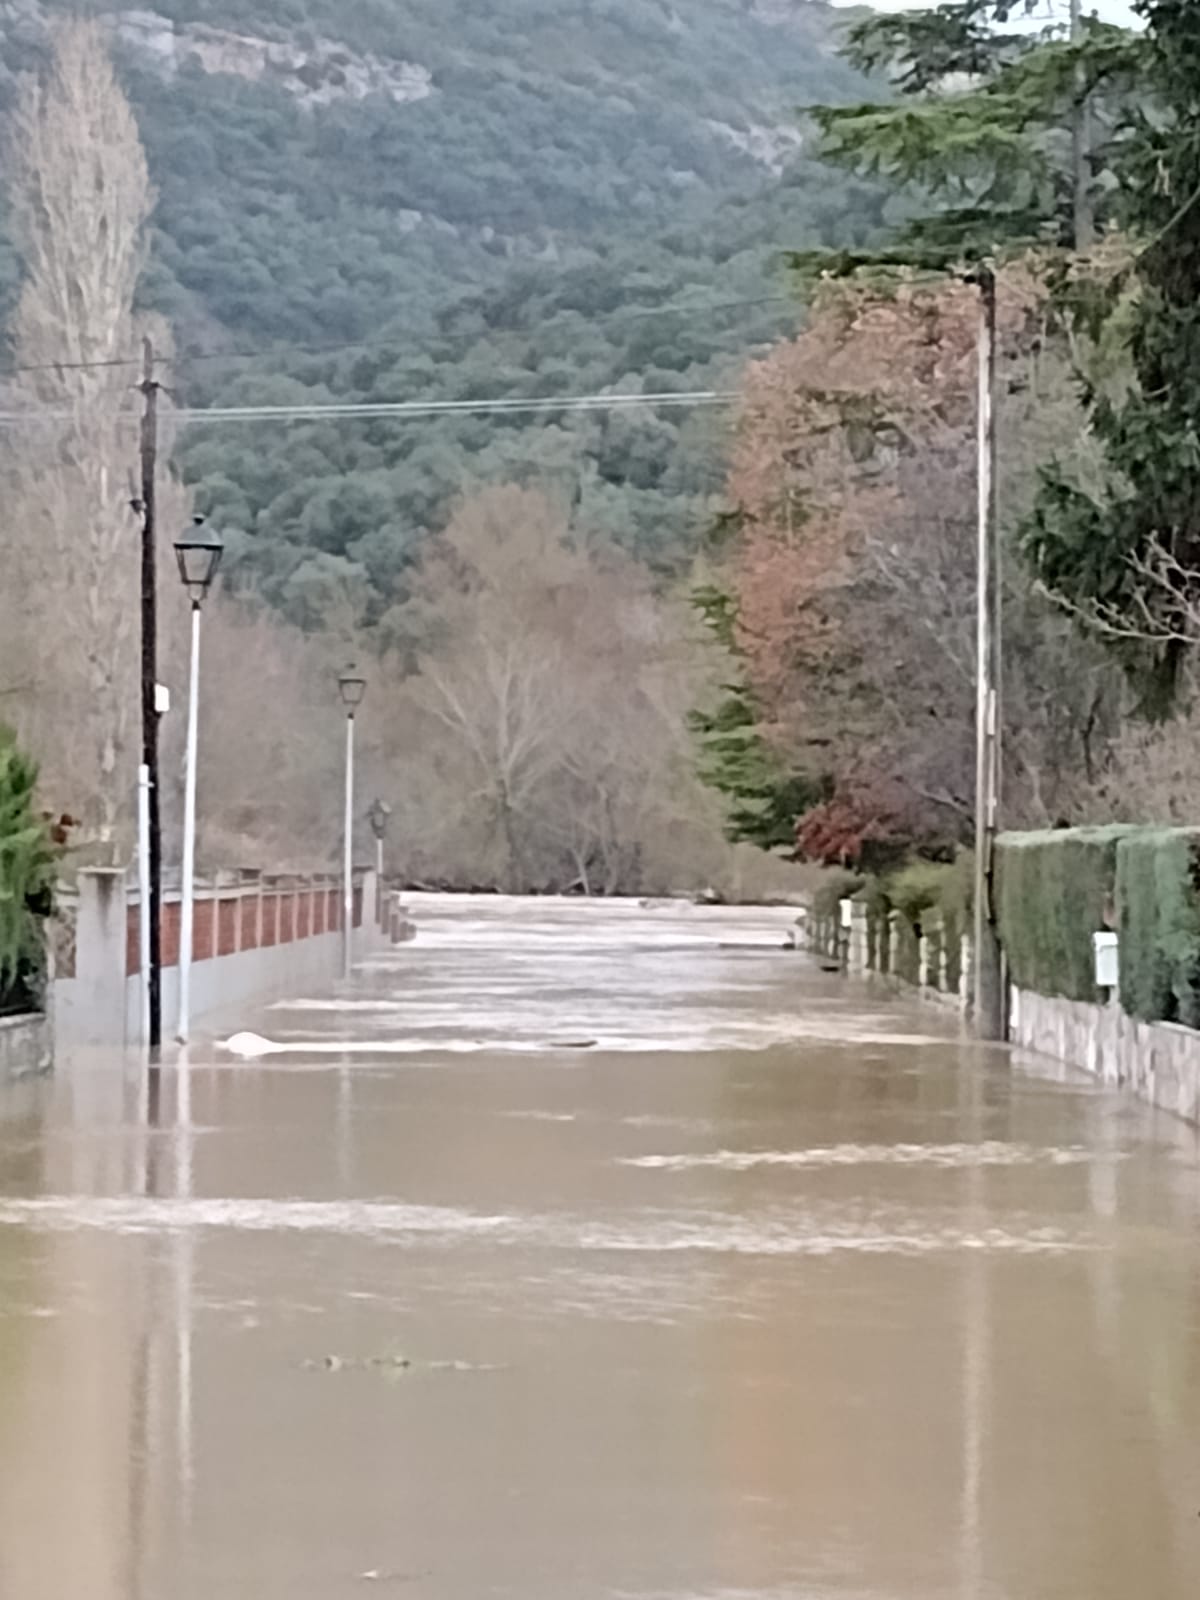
{"x": 250, "y": 905}
{"x": 171, "y": 919}
{"x": 232, "y": 923}
{"x": 204, "y": 921}
{"x": 227, "y": 928}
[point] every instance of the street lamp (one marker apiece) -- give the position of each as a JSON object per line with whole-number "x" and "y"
{"x": 379, "y": 816}
{"x": 198, "y": 554}
{"x": 351, "y": 686}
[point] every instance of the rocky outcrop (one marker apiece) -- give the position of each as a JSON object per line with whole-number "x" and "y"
{"x": 769, "y": 146}
{"x": 318, "y": 73}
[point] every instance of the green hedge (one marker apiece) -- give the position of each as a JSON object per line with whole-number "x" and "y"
{"x": 1158, "y": 903}
{"x": 1053, "y": 891}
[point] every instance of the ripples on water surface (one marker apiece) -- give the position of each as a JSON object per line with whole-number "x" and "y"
{"x": 596, "y": 1251}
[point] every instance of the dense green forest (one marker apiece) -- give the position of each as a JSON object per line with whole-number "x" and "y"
{"x": 510, "y": 198}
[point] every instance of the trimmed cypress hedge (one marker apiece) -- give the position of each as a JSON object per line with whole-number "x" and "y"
{"x": 1053, "y": 891}
{"x": 1158, "y": 900}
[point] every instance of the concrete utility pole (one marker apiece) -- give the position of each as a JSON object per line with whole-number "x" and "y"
{"x": 348, "y": 855}
{"x": 1081, "y": 149}
{"x": 152, "y": 909}
{"x": 351, "y": 686}
{"x": 987, "y": 987}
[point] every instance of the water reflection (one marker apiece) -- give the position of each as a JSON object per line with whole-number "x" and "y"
{"x": 830, "y": 1318}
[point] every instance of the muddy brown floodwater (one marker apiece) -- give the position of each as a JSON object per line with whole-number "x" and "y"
{"x": 777, "y": 1289}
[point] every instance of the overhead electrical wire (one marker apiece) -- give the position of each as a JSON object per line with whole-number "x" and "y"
{"x": 435, "y": 408}
{"x": 415, "y": 409}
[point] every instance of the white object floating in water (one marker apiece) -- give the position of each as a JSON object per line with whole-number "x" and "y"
{"x": 251, "y": 1044}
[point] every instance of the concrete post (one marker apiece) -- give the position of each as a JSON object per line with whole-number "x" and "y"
{"x": 858, "y": 937}
{"x": 368, "y": 930}
{"x": 89, "y": 1009}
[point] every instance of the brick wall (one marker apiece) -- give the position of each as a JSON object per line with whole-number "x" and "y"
{"x": 229, "y": 920}
{"x": 258, "y": 915}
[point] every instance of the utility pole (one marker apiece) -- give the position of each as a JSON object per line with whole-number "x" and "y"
{"x": 151, "y": 912}
{"x": 1081, "y": 148}
{"x": 987, "y": 987}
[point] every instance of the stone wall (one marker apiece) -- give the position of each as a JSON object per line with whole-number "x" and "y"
{"x": 25, "y": 1046}
{"x": 1157, "y": 1061}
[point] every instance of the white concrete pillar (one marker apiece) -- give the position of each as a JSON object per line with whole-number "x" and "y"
{"x": 89, "y": 1009}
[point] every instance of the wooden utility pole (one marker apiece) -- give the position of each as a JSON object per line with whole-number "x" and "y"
{"x": 1084, "y": 217}
{"x": 153, "y": 911}
{"x": 987, "y": 984}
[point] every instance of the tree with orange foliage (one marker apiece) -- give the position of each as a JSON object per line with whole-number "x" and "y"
{"x": 853, "y": 482}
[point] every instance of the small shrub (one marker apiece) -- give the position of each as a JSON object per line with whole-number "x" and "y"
{"x": 834, "y": 887}
{"x": 919, "y": 888}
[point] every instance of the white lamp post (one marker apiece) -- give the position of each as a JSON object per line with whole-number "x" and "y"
{"x": 351, "y": 687}
{"x": 199, "y": 555}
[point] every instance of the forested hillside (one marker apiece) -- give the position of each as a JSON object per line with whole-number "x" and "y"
{"x": 484, "y": 198}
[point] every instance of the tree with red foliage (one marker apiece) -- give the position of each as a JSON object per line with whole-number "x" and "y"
{"x": 854, "y": 482}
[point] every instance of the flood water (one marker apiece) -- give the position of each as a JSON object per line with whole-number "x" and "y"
{"x": 716, "y": 1279}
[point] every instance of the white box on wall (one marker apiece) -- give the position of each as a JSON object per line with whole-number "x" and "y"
{"x": 1108, "y": 960}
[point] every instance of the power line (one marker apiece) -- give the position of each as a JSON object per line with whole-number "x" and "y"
{"x": 76, "y": 366}
{"x": 434, "y": 408}
{"x": 405, "y": 409}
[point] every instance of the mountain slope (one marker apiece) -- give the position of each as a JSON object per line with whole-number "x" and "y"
{"x": 481, "y": 189}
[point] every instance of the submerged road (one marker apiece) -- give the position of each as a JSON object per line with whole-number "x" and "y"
{"x": 597, "y": 1252}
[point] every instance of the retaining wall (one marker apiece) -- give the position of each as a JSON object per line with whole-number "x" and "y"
{"x": 25, "y": 1046}
{"x": 254, "y": 937}
{"x": 1157, "y": 1061}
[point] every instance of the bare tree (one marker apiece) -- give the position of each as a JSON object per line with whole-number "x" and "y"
{"x": 550, "y": 712}
{"x": 80, "y": 198}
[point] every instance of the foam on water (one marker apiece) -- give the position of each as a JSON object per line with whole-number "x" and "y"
{"x": 988, "y": 1154}
{"x": 822, "y": 1232}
